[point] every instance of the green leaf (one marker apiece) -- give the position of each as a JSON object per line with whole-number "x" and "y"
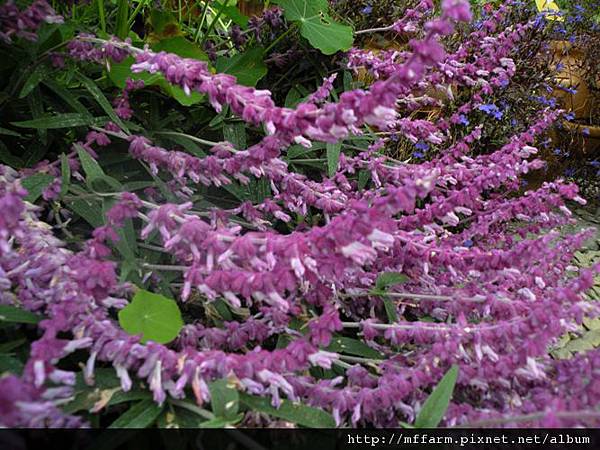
{"x": 316, "y": 26}
{"x": 36, "y": 106}
{"x": 234, "y": 14}
{"x": 122, "y": 26}
{"x": 65, "y": 171}
{"x": 104, "y": 184}
{"x": 220, "y": 422}
{"x": 67, "y": 120}
{"x": 363, "y": 179}
{"x": 66, "y": 95}
{"x": 327, "y": 35}
{"x": 224, "y": 399}
{"x": 9, "y": 132}
{"x": 8, "y": 363}
{"x": 247, "y": 67}
{"x": 119, "y": 72}
{"x": 259, "y": 190}
{"x": 187, "y": 144}
{"x": 127, "y": 244}
{"x": 293, "y": 412}
{"x": 236, "y": 134}
{"x": 181, "y": 47}
{"x": 121, "y": 396}
{"x": 13, "y": 314}
{"x": 88, "y": 209}
{"x": 435, "y": 406}
{"x": 90, "y": 166}
{"x": 102, "y": 14}
{"x": 294, "y": 97}
{"x": 384, "y": 281}
{"x": 390, "y": 310}
{"x": 297, "y": 10}
{"x": 387, "y": 279}
{"x": 37, "y": 75}
{"x": 140, "y": 415}
{"x": 35, "y": 185}
{"x": 164, "y": 23}
{"x": 101, "y": 100}
{"x": 351, "y": 346}
{"x": 8, "y": 158}
{"x": 333, "y": 158}
{"x": 179, "y": 94}
{"x": 179, "y": 418}
{"x": 9, "y": 346}
{"x": 155, "y": 317}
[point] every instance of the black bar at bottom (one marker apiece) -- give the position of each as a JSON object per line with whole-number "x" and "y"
{"x": 297, "y": 439}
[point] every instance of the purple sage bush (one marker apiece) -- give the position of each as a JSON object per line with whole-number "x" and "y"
{"x": 174, "y": 240}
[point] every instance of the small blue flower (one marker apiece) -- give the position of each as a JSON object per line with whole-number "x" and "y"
{"x": 595, "y": 163}
{"x": 586, "y": 131}
{"x": 557, "y": 151}
{"x": 367, "y": 9}
{"x": 419, "y": 155}
{"x": 422, "y": 146}
{"x": 569, "y": 172}
{"x": 569, "y": 116}
{"x": 569, "y": 90}
{"x": 468, "y": 243}
{"x": 491, "y": 110}
{"x": 463, "y": 120}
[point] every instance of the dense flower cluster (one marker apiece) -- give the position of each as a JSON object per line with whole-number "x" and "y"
{"x": 490, "y": 281}
{"x": 24, "y": 23}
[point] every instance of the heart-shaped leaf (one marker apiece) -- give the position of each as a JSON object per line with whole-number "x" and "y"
{"x": 317, "y": 26}
{"x": 247, "y": 67}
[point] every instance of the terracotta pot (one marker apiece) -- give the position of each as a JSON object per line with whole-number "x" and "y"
{"x": 251, "y": 7}
{"x": 570, "y": 76}
{"x": 589, "y": 134}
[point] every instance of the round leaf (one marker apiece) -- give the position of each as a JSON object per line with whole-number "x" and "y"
{"x": 155, "y": 317}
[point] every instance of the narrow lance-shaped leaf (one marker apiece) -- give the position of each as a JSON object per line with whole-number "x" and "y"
{"x": 333, "y": 158}
{"x": 293, "y": 412}
{"x": 65, "y": 171}
{"x": 224, "y": 399}
{"x": 67, "y": 120}
{"x": 35, "y": 185}
{"x": 17, "y": 315}
{"x": 38, "y": 74}
{"x": 435, "y": 406}
{"x": 90, "y": 166}
{"x": 101, "y": 100}
{"x": 140, "y": 415}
